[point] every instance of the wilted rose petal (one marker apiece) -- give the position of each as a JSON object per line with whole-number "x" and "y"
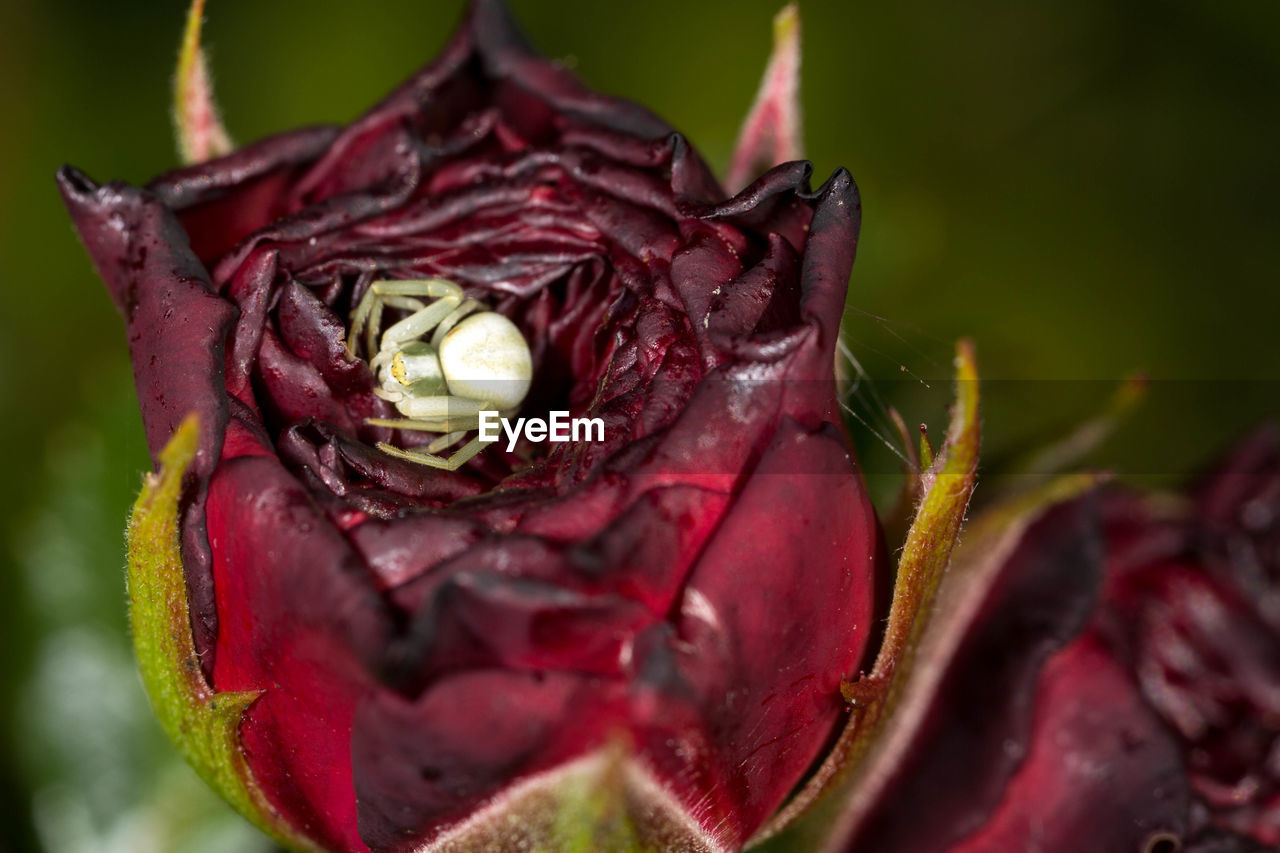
{"x": 960, "y": 730}
{"x": 1122, "y": 693}
{"x": 1190, "y": 601}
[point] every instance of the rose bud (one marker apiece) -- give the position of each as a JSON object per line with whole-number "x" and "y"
{"x": 1101, "y": 672}
{"x": 371, "y": 629}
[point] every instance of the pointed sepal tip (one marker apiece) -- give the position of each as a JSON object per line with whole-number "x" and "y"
{"x": 773, "y": 130}
{"x": 197, "y": 122}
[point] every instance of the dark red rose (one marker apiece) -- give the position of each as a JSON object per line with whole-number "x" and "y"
{"x": 1192, "y": 611}
{"x": 430, "y": 646}
{"x": 1102, "y": 674}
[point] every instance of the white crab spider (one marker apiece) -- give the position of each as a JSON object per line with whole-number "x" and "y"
{"x": 476, "y": 360}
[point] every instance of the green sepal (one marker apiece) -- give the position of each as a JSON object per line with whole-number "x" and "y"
{"x": 772, "y": 132}
{"x": 202, "y": 723}
{"x": 197, "y": 122}
{"x": 603, "y": 801}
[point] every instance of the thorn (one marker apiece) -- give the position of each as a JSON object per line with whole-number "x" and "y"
{"x": 863, "y": 691}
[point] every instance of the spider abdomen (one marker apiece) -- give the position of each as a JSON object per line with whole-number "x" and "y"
{"x": 485, "y": 357}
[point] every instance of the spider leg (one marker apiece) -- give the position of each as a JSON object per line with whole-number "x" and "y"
{"x": 419, "y": 323}
{"x": 432, "y": 287}
{"x": 367, "y": 316}
{"x": 360, "y": 317}
{"x": 467, "y": 307}
{"x": 442, "y": 414}
{"x": 448, "y": 463}
{"x": 441, "y": 425}
{"x": 445, "y": 407}
{"x": 384, "y": 394}
{"x": 447, "y": 440}
{"x": 406, "y": 303}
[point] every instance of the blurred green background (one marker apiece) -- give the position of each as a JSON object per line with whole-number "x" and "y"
{"x": 1086, "y": 187}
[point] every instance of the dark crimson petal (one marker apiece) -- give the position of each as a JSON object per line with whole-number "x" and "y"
{"x": 1241, "y": 500}
{"x": 441, "y": 84}
{"x": 177, "y": 331}
{"x": 728, "y": 693}
{"x": 1206, "y": 658}
{"x": 466, "y": 615}
{"x": 773, "y": 202}
{"x": 692, "y": 180}
{"x": 424, "y": 763}
{"x": 399, "y": 551}
{"x": 221, "y": 201}
{"x": 700, "y": 271}
{"x": 627, "y": 558}
{"x": 681, "y": 452}
{"x": 1245, "y": 487}
{"x": 763, "y": 299}
{"x": 251, "y": 289}
{"x": 216, "y": 180}
{"x": 301, "y": 621}
{"x": 964, "y": 725}
{"x": 315, "y": 333}
{"x": 534, "y": 620}
{"x": 294, "y": 390}
{"x": 382, "y": 485}
{"x": 1100, "y": 771}
{"x": 302, "y": 226}
{"x": 245, "y": 435}
{"x": 177, "y": 325}
{"x": 828, "y": 258}
{"x": 450, "y": 205}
